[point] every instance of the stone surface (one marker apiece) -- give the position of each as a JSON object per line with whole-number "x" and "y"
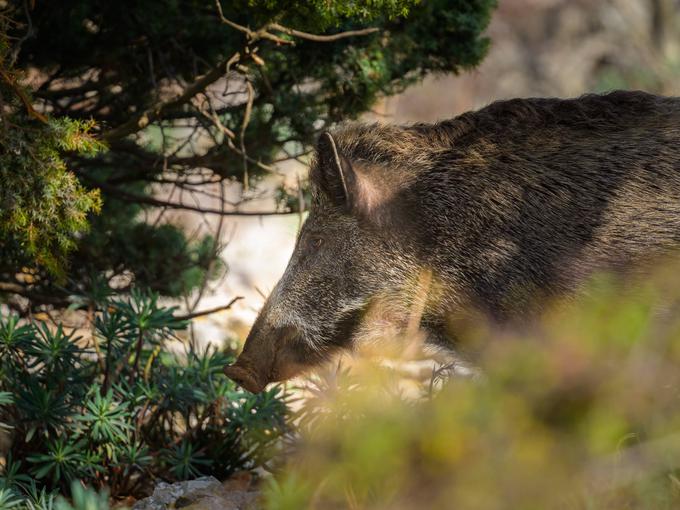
{"x": 205, "y": 493}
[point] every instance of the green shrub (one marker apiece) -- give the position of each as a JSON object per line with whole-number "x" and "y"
{"x": 150, "y": 81}
{"x": 116, "y": 409}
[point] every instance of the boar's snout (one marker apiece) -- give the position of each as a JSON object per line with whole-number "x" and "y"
{"x": 245, "y": 378}
{"x": 261, "y": 359}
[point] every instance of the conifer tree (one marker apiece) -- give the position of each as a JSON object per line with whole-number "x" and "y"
{"x": 103, "y": 101}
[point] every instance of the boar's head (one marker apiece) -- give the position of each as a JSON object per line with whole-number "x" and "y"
{"x": 347, "y": 252}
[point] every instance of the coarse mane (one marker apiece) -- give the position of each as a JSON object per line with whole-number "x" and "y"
{"x": 414, "y": 145}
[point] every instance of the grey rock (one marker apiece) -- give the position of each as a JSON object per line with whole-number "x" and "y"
{"x": 205, "y": 493}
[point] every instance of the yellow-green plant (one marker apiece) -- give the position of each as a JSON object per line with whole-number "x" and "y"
{"x": 580, "y": 410}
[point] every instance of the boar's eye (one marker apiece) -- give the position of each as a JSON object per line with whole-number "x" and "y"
{"x": 314, "y": 243}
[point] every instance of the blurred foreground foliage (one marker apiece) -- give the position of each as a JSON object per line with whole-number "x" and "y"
{"x": 83, "y": 498}
{"x": 116, "y": 409}
{"x": 579, "y": 411}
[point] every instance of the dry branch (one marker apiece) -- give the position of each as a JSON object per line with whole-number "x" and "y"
{"x": 134, "y": 198}
{"x": 264, "y": 32}
{"x": 209, "y": 311}
{"x": 321, "y": 38}
{"x": 155, "y": 112}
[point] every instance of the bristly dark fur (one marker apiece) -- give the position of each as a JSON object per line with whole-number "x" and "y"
{"x": 525, "y": 198}
{"x": 410, "y": 145}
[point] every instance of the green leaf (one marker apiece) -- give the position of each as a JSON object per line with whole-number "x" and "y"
{"x": 85, "y": 498}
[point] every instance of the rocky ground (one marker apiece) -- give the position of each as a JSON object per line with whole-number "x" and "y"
{"x": 207, "y": 493}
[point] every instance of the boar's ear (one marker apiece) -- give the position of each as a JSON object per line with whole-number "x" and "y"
{"x": 348, "y": 185}
{"x": 335, "y": 171}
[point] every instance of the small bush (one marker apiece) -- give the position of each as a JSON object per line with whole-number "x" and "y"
{"x": 116, "y": 409}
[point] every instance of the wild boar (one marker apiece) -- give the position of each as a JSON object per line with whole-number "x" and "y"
{"x": 507, "y": 207}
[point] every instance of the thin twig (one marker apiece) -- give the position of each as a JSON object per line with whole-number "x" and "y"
{"x": 228, "y": 141}
{"x": 155, "y": 112}
{"x": 11, "y": 81}
{"x": 252, "y": 35}
{"x": 209, "y": 311}
{"x": 138, "y": 354}
{"x": 263, "y": 33}
{"x": 142, "y": 199}
{"x": 95, "y": 342}
{"x": 20, "y": 42}
{"x": 242, "y": 134}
